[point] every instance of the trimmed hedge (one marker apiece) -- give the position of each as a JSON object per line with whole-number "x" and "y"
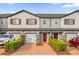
{"x": 57, "y": 45}
{"x": 13, "y": 45}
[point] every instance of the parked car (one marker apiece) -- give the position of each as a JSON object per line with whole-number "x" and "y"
{"x": 4, "y": 38}
{"x": 74, "y": 42}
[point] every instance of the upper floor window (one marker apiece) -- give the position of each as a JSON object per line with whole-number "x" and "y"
{"x": 31, "y": 21}
{"x": 1, "y": 22}
{"x": 44, "y": 21}
{"x": 69, "y": 21}
{"x": 56, "y": 22}
{"x": 15, "y": 21}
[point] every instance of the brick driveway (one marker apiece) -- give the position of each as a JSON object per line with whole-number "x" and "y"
{"x": 73, "y": 51}
{"x": 32, "y": 49}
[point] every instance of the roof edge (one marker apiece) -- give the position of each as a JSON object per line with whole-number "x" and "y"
{"x": 71, "y": 13}
{"x": 22, "y": 11}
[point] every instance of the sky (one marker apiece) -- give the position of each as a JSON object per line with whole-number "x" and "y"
{"x": 47, "y": 8}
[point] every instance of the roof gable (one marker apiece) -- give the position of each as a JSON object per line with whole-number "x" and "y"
{"x": 71, "y": 13}
{"x": 22, "y": 11}
{"x": 39, "y": 15}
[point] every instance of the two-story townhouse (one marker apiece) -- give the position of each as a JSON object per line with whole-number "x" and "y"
{"x": 48, "y": 24}
{"x": 3, "y": 22}
{"x": 40, "y": 27}
{"x": 22, "y": 22}
{"x": 70, "y": 25}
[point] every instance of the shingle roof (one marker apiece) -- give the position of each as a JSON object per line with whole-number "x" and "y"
{"x": 39, "y": 15}
{"x": 4, "y": 15}
{"x": 23, "y": 11}
{"x": 39, "y": 29}
{"x": 51, "y": 15}
{"x": 71, "y": 13}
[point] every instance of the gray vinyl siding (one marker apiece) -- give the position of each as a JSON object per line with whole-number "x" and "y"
{"x": 23, "y": 16}
{"x": 55, "y": 22}
{"x": 71, "y": 16}
{"x": 3, "y": 23}
{"x": 46, "y": 25}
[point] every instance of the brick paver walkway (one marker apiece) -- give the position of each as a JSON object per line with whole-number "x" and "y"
{"x": 1, "y": 50}
{"x": 32, "y": 49}
{"x": 73, "y": 51}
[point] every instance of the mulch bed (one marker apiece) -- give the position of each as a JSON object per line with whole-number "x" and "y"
{"x": 61, "y": 52}
{"x": 8, "y": 53}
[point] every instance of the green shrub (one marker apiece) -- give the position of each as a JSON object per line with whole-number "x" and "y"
{"x": 57, "y": 45}
{"x": 13, "y": 45}
{"x": 9, "y": 46}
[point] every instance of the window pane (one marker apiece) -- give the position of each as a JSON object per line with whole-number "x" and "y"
{"x": 15, "y": 21}
{"x": 31, "y": 21}
{"x": 56, "y": 22}
{"x": 44, "y": 21}
{"x": 69, "y": 21}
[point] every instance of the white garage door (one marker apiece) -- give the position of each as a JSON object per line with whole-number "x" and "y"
{"x": 30, "y": 38}
{"x": 70, "y": 36}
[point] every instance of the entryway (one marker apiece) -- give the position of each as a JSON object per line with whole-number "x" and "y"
{"x": 44, "y": 37}
{"x": 56, "y": 35}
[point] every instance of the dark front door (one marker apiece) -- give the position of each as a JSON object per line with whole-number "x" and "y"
{"x": 44, "y": 37}
{"x": 56, "y": 35}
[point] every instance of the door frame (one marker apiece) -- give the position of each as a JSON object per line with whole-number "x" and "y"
{"x": 54, "y": 35}
{"x": 45, "y": 33}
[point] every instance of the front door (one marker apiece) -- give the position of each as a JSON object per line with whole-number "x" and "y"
{"x": 44, "y": 37}
{"x": 56, "y": 35}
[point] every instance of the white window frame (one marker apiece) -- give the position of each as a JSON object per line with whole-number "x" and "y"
{"x": 69, "y": 21}
{"x": 15, "y": 21}
{"x": 32, "y": 21}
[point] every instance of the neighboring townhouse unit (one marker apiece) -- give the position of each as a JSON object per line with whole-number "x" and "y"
{"x": 40, "y": 27}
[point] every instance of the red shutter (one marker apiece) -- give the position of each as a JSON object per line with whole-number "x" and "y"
{"x": 27, "y": 21}
{"x": 11, "y": 21}
{"x": 64, "y": 21}
{"x": 35, "y": 21}
{"x": 73, "y": 21}
{"x": 19, "y": 21}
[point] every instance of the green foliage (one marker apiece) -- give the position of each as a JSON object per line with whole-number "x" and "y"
{"x": 13, "y": 45}
{"x": 57, "y": 45}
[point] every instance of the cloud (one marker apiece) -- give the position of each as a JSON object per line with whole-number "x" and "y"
{"x": 55, "y": 3}
{"x": 7, "y": 12}
{"x": 70, "y": 5}
{"x": 11, "y": 3}
{"x": 11, "y": 12}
